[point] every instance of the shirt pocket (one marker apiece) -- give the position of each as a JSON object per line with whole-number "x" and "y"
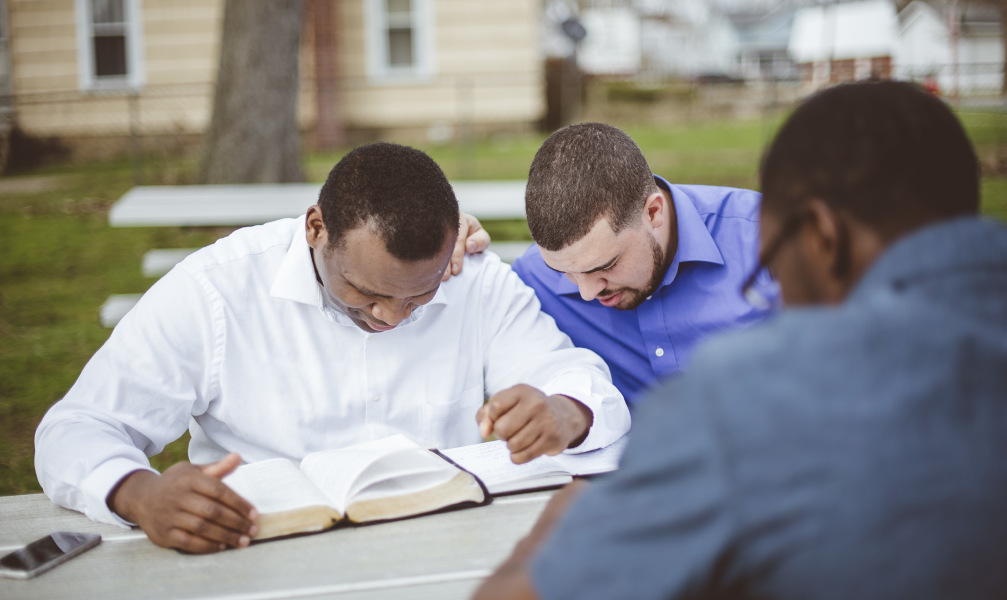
{"x": 453, "y": 423}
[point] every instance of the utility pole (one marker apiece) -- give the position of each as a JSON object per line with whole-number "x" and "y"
{"x": 953, "y": 21}
{"x": 330, "y": 130}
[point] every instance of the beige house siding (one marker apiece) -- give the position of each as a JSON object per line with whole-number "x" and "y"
{"x": 180, "y": 47}
{"x": 43, "y": 46}
{"x": 488, "y": 62}
{"x": 181, "y": 40}
{"x": 488, "y": 70}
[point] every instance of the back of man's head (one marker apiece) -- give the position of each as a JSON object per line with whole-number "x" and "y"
{"x": 583, "y": 173}
{"x": 398, "y": 191}
{"x": 894, "y": 157}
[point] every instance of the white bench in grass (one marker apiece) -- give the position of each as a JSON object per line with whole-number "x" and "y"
{"x": 115, "y": 308}
{"x": 209, "y": 205}
{"x": 158, "y": 262}
{"x": 254, "y": 204}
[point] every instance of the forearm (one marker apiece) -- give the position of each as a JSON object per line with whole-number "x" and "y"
{"x": 126, "y": 497}
{"x": 512, "y": 579}
{"x": 596, "y": 396}
{"x": 79, "y": 460}
{"x": 509, "y": 582}
{"x": 579, "y": 417}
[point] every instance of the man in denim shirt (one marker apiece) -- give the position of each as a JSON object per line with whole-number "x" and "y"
{"x": 851, "y": 447}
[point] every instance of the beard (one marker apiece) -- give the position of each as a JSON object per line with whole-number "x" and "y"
{"x": 633, "y": 297}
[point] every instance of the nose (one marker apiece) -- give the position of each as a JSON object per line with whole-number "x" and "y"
{"x": 590, "y": 285}
{"x": 393, "y": 312}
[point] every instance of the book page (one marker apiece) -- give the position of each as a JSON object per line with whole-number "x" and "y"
{"x": 338, "y": 472}
{"x": 490, "y": 461}
{"x": 404, "y": 484}
{"x": 402, "y": 472}
{"x": 597, "y": 461}
{"x": 275, "y": 485}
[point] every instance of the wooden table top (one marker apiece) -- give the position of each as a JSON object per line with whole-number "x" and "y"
{"x": 441, "y": 556}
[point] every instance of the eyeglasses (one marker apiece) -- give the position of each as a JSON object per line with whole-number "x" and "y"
{"x": 753, "y": 295}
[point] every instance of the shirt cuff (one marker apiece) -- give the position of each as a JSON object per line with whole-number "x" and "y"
{"x": 599, "y": 434}
{"x": 97, "y": 486}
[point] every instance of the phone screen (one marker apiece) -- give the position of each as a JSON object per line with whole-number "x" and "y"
{"x": 45, "y": 550}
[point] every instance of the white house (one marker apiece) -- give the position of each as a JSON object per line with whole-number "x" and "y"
{"x": 687, "y": 38}
{"x": 612, "y": 45}
{"x": 844, "y": 42}
{"x": 763, "y": 37}
{"x": 926, "y": 47}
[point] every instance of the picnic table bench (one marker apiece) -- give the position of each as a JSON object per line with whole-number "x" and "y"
{"x": 254, "y": 204}
{"x": 443, "y": 556}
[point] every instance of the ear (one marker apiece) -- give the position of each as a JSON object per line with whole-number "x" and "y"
{"x": 314, "y": 229}
{"x": 826, "y": 249}
{"x": 655, "y": 210}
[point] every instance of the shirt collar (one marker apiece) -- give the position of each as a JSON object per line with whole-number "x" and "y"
{"x": 296, "y": 278}
{"x": 695, "y": 244}
{"x": 296, "y": 281}
{"x": 945, "y": 247}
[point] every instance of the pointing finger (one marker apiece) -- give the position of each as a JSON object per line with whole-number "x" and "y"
{"x": 222, "y": 467}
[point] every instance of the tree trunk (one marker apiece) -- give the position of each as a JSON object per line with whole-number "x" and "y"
{"x": 329, "y": 132}
{"x": 253, "y": 135}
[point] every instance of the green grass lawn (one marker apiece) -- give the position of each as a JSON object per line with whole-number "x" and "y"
{"x": 59, "y": 259}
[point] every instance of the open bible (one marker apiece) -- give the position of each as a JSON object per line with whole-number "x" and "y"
{"x": 490, "y": 462}
{"x": 391, "y": 478}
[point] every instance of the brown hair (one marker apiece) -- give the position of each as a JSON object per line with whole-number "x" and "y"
{"x": 581, "y": 174}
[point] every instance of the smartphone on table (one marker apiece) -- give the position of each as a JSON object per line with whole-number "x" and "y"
{"x": 44, "y": 554}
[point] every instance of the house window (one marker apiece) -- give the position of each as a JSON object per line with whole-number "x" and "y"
{"x": 400, "y": 33}
{"x": 108, "y": 24}
{"x": 400, "y": 40}
{"x": 109, "y": 45}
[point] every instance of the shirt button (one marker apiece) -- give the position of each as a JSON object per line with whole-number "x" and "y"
{"x": 375, "y": 399}
{"x": 659, "y": 352}
{"x": 648, "y": 297}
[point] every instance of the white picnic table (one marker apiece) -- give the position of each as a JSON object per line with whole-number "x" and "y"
{"x": 442, "y": 556}
{"x": 254, "y": 204}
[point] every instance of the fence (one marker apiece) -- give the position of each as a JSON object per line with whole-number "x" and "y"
{"x": 975, "y": 84}
{"x": 169, "y": 120}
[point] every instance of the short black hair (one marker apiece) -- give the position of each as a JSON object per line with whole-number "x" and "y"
{"x": 400, "y": 191}
{"x": 583, "y": 173}
{"x": 891, "y": 154}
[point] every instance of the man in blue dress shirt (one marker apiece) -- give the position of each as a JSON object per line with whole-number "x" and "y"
{"x": 853, "y": 445}
{"x": 631, "y": 266}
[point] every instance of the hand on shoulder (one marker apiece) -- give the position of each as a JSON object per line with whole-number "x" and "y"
{"x": 472, "y": 239}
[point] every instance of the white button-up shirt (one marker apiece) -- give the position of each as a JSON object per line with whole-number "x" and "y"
{"x": 238, "y": 344}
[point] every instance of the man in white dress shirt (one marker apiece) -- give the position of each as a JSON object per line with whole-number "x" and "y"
{"x": 316, "y": 333}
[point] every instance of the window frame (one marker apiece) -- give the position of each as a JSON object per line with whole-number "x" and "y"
{"x": 379, "y": 67}
{"x": 136, "y": 75}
